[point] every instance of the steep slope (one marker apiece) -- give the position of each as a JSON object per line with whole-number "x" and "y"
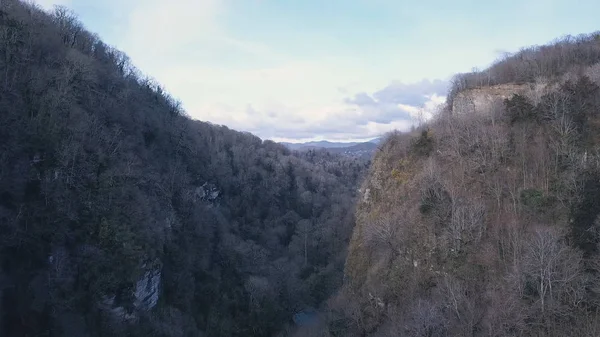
{"x": 485, "y": 222}
{"x": 121, "y": 216}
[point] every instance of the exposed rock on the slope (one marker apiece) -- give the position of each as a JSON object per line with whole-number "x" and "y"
{"x": 146, "y": 294}
{"x": 147, "y": 290}
{"x": 207, "y": 192}
{"x": 118, "y": 313}
{"x": 482, "y": 99}
{"x": 366, "y": 195}
{"x": 308, "y": 316}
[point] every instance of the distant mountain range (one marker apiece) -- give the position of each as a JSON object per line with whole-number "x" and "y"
{"x": 354, "y": 149}
{"x": 324, "y": 144}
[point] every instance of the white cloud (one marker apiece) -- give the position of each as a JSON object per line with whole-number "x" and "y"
{"x": 185, "y": 46}
{"x": 157, "y": 31}
{"x": 287, "y": 96}
{"x": 334, "y": 122}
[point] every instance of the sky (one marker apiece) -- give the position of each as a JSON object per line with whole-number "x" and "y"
{"x": 340, "y": 70}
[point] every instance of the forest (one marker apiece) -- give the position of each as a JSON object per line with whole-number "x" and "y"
{"x": 121, "y": 216}
{"x": 485, "y": 221}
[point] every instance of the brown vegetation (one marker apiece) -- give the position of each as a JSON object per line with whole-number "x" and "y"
{"x": 491, "y": 228}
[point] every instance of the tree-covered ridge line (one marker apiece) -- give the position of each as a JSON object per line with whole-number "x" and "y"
{"x": 569, "y": 54}
{"x": 119, "y": 215}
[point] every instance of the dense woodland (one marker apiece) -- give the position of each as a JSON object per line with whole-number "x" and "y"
{"x": 486, "y": 222}
{"x": 121, "y": 216}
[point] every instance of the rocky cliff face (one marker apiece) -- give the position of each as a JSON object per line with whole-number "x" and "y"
{"x": 147, "y": 290}
{"x": 484, "y": 98}
{"x": 146, "y": 293}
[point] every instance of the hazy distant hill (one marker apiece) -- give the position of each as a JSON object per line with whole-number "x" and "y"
{"x": 365, "y": 149}
{"x": 318, "y": 144}
{"x": 353, "y": 149}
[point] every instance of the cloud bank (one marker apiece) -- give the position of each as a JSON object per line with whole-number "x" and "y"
{"x": 249, "y": 84}
{"x": 304, "y": 70}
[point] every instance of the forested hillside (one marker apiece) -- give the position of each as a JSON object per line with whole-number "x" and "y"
{"x": 485, "y": 222}
{"x": 121, "y": 216}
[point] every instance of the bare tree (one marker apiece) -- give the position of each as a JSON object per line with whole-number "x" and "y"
{"x": 68, "y": 24}
{"x": 467, "y": 223}
{"x": 426, "y": 320}
{"x": 461, "y": 304}
{"x": 554, "y": 270}
{"x": 382, "y": 231}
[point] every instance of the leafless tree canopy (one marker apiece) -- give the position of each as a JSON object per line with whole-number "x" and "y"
{"x": 500, "y": 217}
{"x": 103, "y": 180}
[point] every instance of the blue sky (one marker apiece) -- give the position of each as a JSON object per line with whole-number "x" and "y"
{"x": 329, "y": 69}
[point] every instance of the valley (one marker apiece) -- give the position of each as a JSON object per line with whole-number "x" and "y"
{"x": 120, "y": 215}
